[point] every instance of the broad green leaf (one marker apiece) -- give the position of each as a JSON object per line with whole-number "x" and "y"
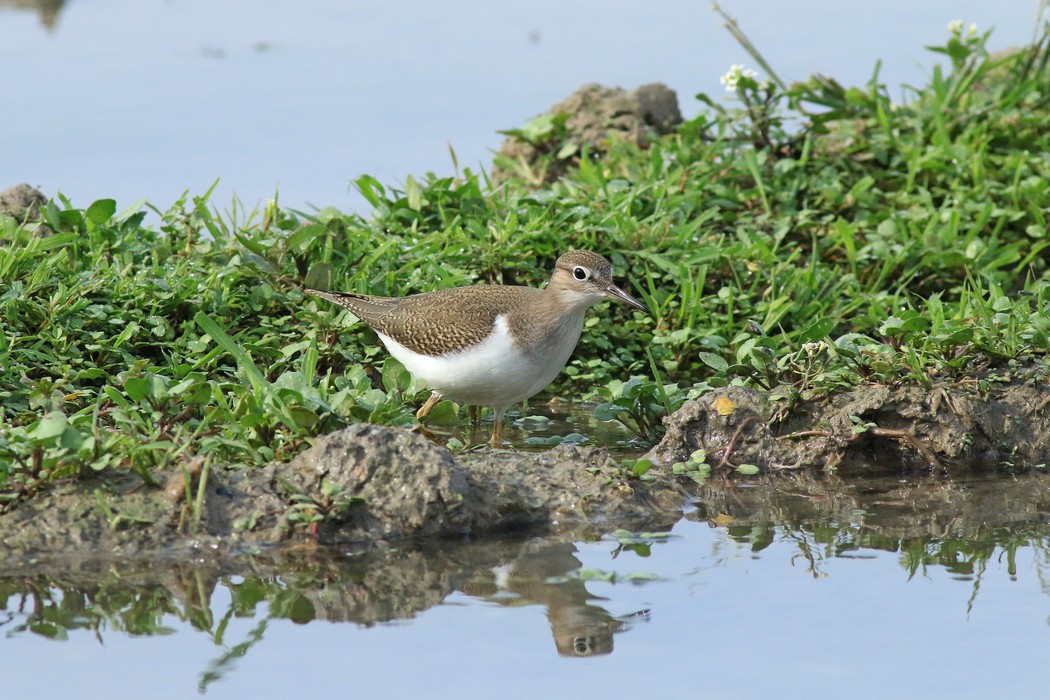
{"x": 137, "y": 388}
{"x": 101, "y": 211}
{"x": 818, "y": 330}
{"x": 716, "y": 362}
{"x": 50, "y": 426}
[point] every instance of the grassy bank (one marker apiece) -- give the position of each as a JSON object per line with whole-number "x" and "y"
{"x": 809, "y": 238}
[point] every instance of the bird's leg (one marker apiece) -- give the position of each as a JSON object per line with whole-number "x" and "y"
{"x": 475, "y": 415}
{"x": 497, "y": 428}
{"x": 425, "y": 408}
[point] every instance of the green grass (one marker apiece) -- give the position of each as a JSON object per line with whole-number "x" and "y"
{"x": 808, "y": 239}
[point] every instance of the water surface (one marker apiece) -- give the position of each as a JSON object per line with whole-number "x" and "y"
{"x": 796, "y": 589}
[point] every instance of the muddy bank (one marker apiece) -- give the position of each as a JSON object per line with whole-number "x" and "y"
{"x": 947, "y": 429}
{"x": 361, "y": 485}
{"x": 368, "y": 486}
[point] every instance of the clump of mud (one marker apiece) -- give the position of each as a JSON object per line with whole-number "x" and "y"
{"x": 594, "y": 115}
{"x": 22, "y": 202}
{"x": 949, "y": 428}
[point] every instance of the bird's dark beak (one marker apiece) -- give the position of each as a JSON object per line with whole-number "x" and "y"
{"x": 616, "y": 293}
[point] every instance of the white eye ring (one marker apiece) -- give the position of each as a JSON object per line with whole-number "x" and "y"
{"x": 580, "y": 273}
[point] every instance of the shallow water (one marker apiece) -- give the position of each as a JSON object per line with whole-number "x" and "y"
{"x": 135, "y": 99}
{"x": 807, "y": 588}
{"x": 539, "y": 424}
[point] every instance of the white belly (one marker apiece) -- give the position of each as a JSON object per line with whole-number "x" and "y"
{"x": 495, "y": 373}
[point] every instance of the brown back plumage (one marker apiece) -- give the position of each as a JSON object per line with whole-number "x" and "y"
{"x": 452, "y": 320}
{"x": 466, "y": 314}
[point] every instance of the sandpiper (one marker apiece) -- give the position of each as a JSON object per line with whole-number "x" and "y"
{"x": 489, "y": 345}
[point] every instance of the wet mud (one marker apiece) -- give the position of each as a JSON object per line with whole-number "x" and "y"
{"x": 361, "y": 486}
{"x": 369, "y": 487}
{"x": 949, "y": 428}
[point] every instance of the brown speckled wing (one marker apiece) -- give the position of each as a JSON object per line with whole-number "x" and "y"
{"x": 440, "y": 322}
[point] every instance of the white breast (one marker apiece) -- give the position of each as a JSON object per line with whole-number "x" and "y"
{"x": 496, "y": 372}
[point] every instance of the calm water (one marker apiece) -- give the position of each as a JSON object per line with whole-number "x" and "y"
{"x": 541, "y": 424}
{"x": 143, "y": 99}
{"x": 875, "y": 589}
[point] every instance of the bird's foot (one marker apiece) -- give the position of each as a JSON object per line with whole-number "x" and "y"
{"x": 430, "y": 403}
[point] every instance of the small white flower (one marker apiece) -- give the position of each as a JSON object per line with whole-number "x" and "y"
{"x": 972, "y": 30}
{"x": 955, "y": 26}
{"x": 732, "y": 77}
{"x": 812, "y": 349}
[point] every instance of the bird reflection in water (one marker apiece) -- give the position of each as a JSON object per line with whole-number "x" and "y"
{"x": 541, "y": 573}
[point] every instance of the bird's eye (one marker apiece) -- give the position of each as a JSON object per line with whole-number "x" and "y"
{"x": 579, "y": 273}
